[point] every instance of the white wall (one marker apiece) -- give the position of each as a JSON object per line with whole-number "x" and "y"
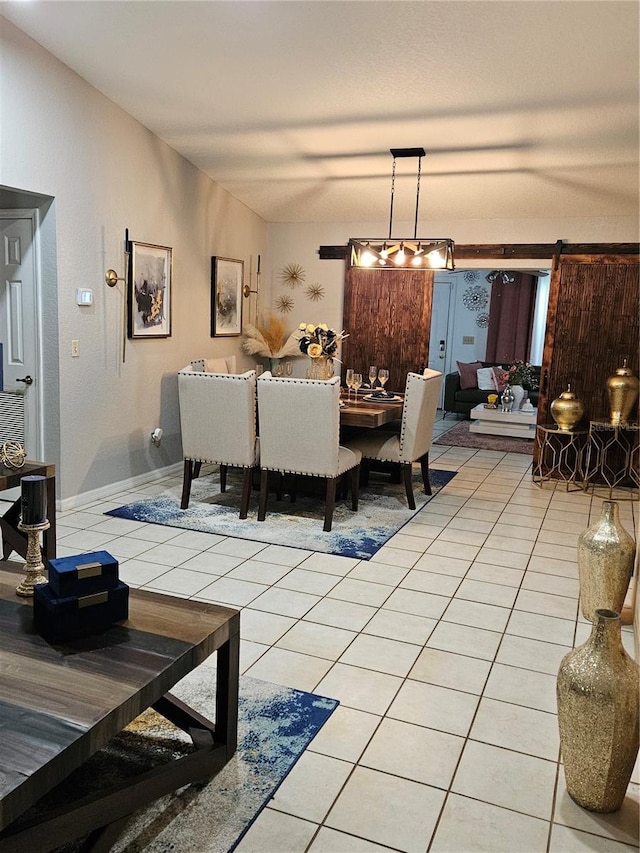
{"x": 105, "y": 172}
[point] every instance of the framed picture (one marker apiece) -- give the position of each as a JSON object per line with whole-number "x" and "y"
{"x": 226, "y": 296}
{"x": 149, "y": 298}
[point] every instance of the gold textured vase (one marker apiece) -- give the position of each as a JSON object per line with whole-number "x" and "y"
{"x": 320, "y": 368}
{"x": 567, "y": 410}
{"x": 605, "y": 562}
{"x": 622, "y": 389}
{"x": 598, "y": 716}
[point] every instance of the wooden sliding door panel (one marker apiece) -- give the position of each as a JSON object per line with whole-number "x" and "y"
{"x": 592, "y": 324}
{"x": 388, "y": 317}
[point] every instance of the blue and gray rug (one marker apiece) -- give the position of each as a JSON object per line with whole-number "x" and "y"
{"x": 275, "y": 724}
{"x": 382, "y": 512}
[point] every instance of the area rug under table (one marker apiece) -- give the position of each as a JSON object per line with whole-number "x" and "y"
{"x": 382, "y": 511}
{"x": 459, "y": 436}
{"x": 275, "y": 725}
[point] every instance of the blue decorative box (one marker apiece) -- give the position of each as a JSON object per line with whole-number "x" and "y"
{"x": 82, "y": 574}
{"x": 76, "y": 616}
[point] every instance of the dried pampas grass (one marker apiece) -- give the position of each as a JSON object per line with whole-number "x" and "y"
{"x": 270, "y": 339}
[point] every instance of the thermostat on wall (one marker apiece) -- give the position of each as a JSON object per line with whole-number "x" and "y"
{"x": 84, "y": 296}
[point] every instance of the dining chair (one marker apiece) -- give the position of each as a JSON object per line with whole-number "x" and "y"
{"x": 224, "y": 364}
{"x": 413, "y": 441}
{"x": 300, "y": 434}
{"x": 218, "y": 424}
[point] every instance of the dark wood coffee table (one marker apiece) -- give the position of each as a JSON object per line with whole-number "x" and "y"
{"x": 61, "y": 703}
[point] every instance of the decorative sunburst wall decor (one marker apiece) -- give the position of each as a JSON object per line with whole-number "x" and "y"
{"x": 471, "y": 276}
{"x": 292, "y": 275}
{"x": 284, "y": 304}
{"x": 475, "y": 298}
{"x": 315, "y": 292}
{"x": 482, "y": 320}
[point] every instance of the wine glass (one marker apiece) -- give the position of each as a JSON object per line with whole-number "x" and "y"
{"x": 383, "y": 376}
{"x": 348, "y": 378}
{"x": 288, "y": 368}
{"x": 356, "y": 382}
{"x": 373, "y": 372}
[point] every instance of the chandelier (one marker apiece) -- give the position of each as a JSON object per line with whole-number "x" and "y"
{"x": 407, "y": 252}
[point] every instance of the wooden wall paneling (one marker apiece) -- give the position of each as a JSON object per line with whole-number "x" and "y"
{"x": 592, "y": 324}
{"x": 387, "y": 314}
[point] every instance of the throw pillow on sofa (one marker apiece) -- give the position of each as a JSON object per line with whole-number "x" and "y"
{"x": 486, "y": 380}
{"x": 469, "y": 374}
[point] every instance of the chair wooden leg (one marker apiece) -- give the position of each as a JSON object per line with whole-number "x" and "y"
{"x": 355, "y": 487}
{"x": 187, "y": 476}
{"x": 424, "y": 467}
{"x": 408, "y": 484}
{"x": 223, "y": 478}
{"x": 196, "y": 469}
{"x": 247, "y": 476}
{"x": 293, "y": 488}
{"x": 262, "y": 502}
{"x": 330, "y": 503}
{"x": 365, "y": 467}
{"x": 279, "y": 482}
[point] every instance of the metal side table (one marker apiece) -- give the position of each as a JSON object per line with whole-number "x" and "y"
{"x": 560, "y": 457}
{"x": 612, "y": 459}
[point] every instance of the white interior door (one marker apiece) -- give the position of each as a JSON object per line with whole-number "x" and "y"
{"x": 19, "y": 325}
{"x": 438, "y": 353}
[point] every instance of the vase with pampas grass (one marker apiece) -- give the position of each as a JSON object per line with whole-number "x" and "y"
{"x": 269, "y": 339}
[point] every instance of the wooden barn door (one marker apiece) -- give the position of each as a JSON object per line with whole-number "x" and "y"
{"x": 387, "y": 314}
{"x": 592, "y": 324}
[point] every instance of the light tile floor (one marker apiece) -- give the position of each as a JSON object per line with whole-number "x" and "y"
{"x": 443, "y": 651}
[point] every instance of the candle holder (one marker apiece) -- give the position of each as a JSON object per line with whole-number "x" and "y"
{"x": 34, "y": 566}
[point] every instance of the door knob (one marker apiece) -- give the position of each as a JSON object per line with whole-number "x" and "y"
{"x": 27, "y": 380}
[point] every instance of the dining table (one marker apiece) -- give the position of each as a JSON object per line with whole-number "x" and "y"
{"x": 370, "y": 413}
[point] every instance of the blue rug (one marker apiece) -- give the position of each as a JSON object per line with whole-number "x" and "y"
{"x": 382, "y": 511}
{"x": 275, "y": 724}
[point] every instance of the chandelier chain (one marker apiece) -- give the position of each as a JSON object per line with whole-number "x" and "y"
{"x": 415, "y": 223}
{"x": 393, "y": 189}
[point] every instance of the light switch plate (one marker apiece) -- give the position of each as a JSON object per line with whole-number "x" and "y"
{"x": 84, "y": 296}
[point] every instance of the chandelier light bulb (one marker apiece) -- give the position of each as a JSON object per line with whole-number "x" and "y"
{"x": 367, "y": 259}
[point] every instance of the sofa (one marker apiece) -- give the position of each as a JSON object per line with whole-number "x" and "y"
{"x": 460, "y": 401}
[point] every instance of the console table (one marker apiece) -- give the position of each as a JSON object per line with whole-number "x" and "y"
{"x": 61, "y": 703}
{"x": 12, "y": 538}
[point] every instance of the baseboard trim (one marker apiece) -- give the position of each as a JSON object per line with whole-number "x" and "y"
{"x": 103, "y": 492}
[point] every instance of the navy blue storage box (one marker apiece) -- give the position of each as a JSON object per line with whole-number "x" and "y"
{"x": 76, "y": 616}
{"x": 81, "y": 574}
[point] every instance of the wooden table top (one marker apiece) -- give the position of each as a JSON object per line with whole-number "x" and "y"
{"x": 60, "y": 703}
{"x": 10, "y": 477}
{"x": 367, "y": 413}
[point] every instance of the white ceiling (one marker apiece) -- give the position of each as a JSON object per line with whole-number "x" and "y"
{"x": 526, "y": 109}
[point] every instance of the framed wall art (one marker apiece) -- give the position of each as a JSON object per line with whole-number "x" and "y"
{"x": 149, "y": 298}
{"x": 226, "y": 296}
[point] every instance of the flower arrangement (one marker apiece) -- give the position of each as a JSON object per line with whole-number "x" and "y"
{"x": 319, "y": 340}
{"x": 520, "y": 373}
{"x": 270, "y": 339}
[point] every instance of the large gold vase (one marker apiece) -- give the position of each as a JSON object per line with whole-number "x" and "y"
{"x": 622, "y": 389}
{"x": 567, "y": 410}
{"x": 598, "y": 716}
{"x": 605, "y": 562}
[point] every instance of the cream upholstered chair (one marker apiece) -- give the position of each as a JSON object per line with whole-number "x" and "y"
{"x": 300, "y": 434}
{"x": 413, "y": 442}
{"x": 218, "y": 424}
{"x": 224, "y": 364}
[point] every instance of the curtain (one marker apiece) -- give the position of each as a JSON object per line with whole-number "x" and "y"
{"x": 511, "y": 319}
